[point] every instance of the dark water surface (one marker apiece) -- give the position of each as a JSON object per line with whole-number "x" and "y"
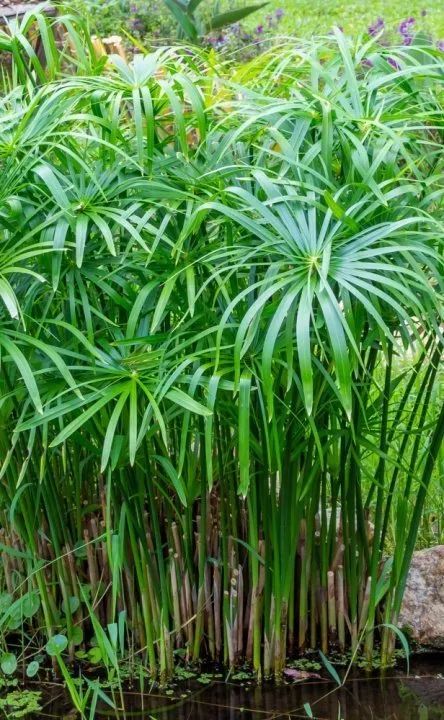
{"x": 393, "y": 696}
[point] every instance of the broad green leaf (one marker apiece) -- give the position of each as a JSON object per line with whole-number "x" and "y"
{"x": 8, "y": 663}
{"x": 73, "y": 605}
{"x": 30, "y": 604}
{"x": 95, "y": 655}
{"x": 32, "y": 668}
{"x": 56, "y": 645}
{"x": 76, "y": 635}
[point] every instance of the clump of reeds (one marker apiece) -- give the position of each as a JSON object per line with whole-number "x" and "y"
{"x": 221, "y": 307}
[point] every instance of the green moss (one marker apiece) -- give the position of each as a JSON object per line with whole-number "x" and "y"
{"x": 305, "y": 664}
{"x": 19, "y": 703}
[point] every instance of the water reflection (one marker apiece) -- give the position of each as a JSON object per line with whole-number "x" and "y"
{"x": 391, "y": 697}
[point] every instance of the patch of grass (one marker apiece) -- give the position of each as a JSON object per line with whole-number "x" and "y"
{"x": 303, "y": 18}
{"x": 150, "y": 21}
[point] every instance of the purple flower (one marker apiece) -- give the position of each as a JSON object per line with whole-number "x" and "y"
{"x": 279, "y": 13}
{"x": 138, "y": 25}
{"x": 407, "y": 39}
{"x": 367, "y": 63}
{"x": 440, "y": 45}
{"x": 406, "y": 26}
{"x": 260, "y": 29}
{"x": 393, "y": 63}
{"x": 133, "y": 8}
{"x": 376, "y": 27}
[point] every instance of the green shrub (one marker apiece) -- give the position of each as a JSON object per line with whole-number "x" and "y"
{"x": 211, "y": 277}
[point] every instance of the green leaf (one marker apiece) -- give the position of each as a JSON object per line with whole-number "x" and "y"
{"x": 32, "y": 669}
{"x": 162, "y": 301}
{"x": 52, "y": 183}
{"x": 15, "y": 618}
{"x": 212, "y": 394}
{"x": 112, "y": 425}
{"x": 24, "y": 369}
{"x": 73, "y": 604}
{"x": 56, "y": 645}
{"x": 183, "y": 400}
{"x": 85, "y": 415}
{"x": 403, "y": 640}
{"x": 177, "y": 481}
{"x": 191, "y": 288}
{"x": 244, "y": 433}
{"x": 95, "y": 655}
{"x": 186, "y": 23}
{"x": 8, "y": 663}
{"x": 329, "y": 667}
{"x": 13, "y": 552}
{"x": 5, "y": 602}
{"x": 113, "y": 634}
{"x": 8, "y": 296}
{"x": 81, "y": 234}
{"x": 232, "y": 16}
{"x": 76, "y": 635}
{"x": 338, "y": 342}
{"x": 339, "y": 212}
{"x": 383, "y": 584}
{"x": 132, "y": 430}
{"x": 30, "y": 604}
{"x": 303, "y": 341}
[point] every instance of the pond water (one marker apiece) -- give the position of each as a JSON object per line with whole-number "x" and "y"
{"x": 392, "y": 696}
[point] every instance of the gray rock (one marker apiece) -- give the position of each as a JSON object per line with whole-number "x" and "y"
{"x": 422, "y": 611}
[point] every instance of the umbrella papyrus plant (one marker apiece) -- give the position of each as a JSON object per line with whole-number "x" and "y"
{"x": 221, "y": 302}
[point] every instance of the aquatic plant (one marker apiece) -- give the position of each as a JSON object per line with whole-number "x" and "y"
{"x": 221, "y": 302}
{"x": 20, "y": 703}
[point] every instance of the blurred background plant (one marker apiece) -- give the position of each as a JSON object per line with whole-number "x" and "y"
{"x": 160, "y": 21}
{"x": 157, "y": 21}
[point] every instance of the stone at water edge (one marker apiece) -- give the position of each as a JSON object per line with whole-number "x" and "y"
{"x": 422, "y": 611}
